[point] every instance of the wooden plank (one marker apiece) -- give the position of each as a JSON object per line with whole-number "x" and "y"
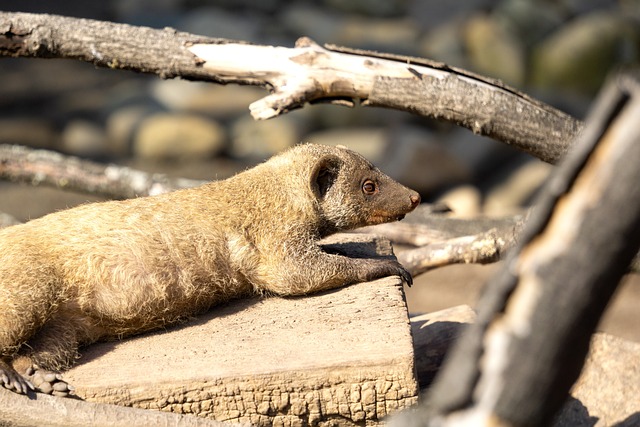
{"x": 341, "y": 357}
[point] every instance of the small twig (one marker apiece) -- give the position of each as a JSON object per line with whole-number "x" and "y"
{"x": 36, "y": 167}
{"x": 483, "y": 248}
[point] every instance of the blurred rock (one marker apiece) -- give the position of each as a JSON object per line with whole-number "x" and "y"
{"x": 370, "y": 142}
{"x": 429, "y": 13}
{"x": 305, "y": 20}
{"x": 212, "y": 99}
{"x": 530, "y": 21}
{"x": 580, "y": 54}
{"x": 383, "y": 8}
{"x": 218, "y": 22}
{"x": 445, "y": 43}
{"x": 261, "y": 139}
{"x": 494, "y": 50}
{"x": 396, "y": 35}
{"x": 517, "y": 190}
{"x": 122, "y": 125}
{"x": 465, "y": 201}
{"x": 29, "y": 131}
{"x": 84, "y": 139}
{"x": 165, "y": 136}
{"x": 386, "y": 35}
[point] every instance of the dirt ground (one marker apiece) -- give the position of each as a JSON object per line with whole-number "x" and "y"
{"x": 462, "y": 284}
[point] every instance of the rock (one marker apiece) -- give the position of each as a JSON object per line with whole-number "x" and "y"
{"x": 370, "y": 142}
{"x": 84, "y": 139}
{"x": 316, "y": 23}
{"x": 528, "y": 20}
{"x": 580, "y": 54}
{"x": 465, "y": 201}
{"x": 494, "y": 50}
{"x": 218, "y": 22}
{"x": 398, "y": 35}
{"x": 214, "y": 100}
{"x": 517, "y": 190}
{"x": 382, "y": 8}
{"x": 445, "y": 43}
{"x": 261, "y": 139}
{"x": 121, "y": 126}
{"x": 430, "y": 13}
{"x": 608, "y": 389}
{"x": 28, "y": 131}
{"x": 166, "y": 136}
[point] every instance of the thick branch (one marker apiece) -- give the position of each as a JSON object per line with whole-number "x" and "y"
{"x": 18, "y": 411}
{"x": 306, "y": 73}
{"x": 105, "y": 44}
{"x": 23, "y": 164}
{"x": 515, "y": 366}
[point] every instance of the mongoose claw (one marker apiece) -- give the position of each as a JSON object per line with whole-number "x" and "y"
{"x": 13, "y": 381}
{"x": 406, "y": 276}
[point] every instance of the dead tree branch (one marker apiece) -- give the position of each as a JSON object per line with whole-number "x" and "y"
{"x": 299, "y": 75}
{"x": 21, "y": 164}
{"x": 22, "y": 411}
{"x": 516, "y": 364}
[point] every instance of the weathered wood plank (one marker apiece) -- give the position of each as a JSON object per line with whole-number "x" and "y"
{"x": 342, "y": 357}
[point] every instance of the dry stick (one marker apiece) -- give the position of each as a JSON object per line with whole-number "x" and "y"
{"x": 306, "y": 73}
{"x": 516, "y": 364}
{"x": 21, "y": 164}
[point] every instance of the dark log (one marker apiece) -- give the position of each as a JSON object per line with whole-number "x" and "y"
{"x": 516, "y": 365}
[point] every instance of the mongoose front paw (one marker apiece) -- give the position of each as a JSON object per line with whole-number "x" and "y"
{"x": 388, "y": 267}
{"x": 404, "y": 274}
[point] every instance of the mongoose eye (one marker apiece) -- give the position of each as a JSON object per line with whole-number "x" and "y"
{"x": 369, "y": 187}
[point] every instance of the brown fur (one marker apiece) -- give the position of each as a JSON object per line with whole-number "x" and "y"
{"x": 108, "y": 270}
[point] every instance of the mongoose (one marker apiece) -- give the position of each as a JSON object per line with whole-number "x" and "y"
{"x": 112, "y": 269}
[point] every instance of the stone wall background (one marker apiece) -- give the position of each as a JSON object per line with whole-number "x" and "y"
{"x": 557, "y": 51}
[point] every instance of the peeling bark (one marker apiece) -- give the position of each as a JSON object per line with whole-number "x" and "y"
{"x": 303, "y": 74}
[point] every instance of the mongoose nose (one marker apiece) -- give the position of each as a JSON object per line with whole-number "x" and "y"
{"x": 415, "y": 200}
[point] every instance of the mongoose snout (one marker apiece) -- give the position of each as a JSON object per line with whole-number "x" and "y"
{"x": 108, "y": 270}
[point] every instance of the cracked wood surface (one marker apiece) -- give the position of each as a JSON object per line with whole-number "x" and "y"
{"x": 342, "y": 357}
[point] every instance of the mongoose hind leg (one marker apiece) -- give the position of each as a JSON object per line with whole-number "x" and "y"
{"x": 41, "y": 380}
{"x": 12, "y": 380}
{"x": 53, "y": 349}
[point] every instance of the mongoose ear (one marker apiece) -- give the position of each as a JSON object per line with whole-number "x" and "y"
{"x": 324, "y": 174}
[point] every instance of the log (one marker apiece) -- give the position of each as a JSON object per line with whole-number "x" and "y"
{"x": 516, "y": 365}
{"x": 303, "y": 74}
{"x": 342, "y": 357}
{"x": 607, "y": 390}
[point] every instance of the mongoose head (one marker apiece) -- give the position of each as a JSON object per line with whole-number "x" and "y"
{"x": 352, "y": 193}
